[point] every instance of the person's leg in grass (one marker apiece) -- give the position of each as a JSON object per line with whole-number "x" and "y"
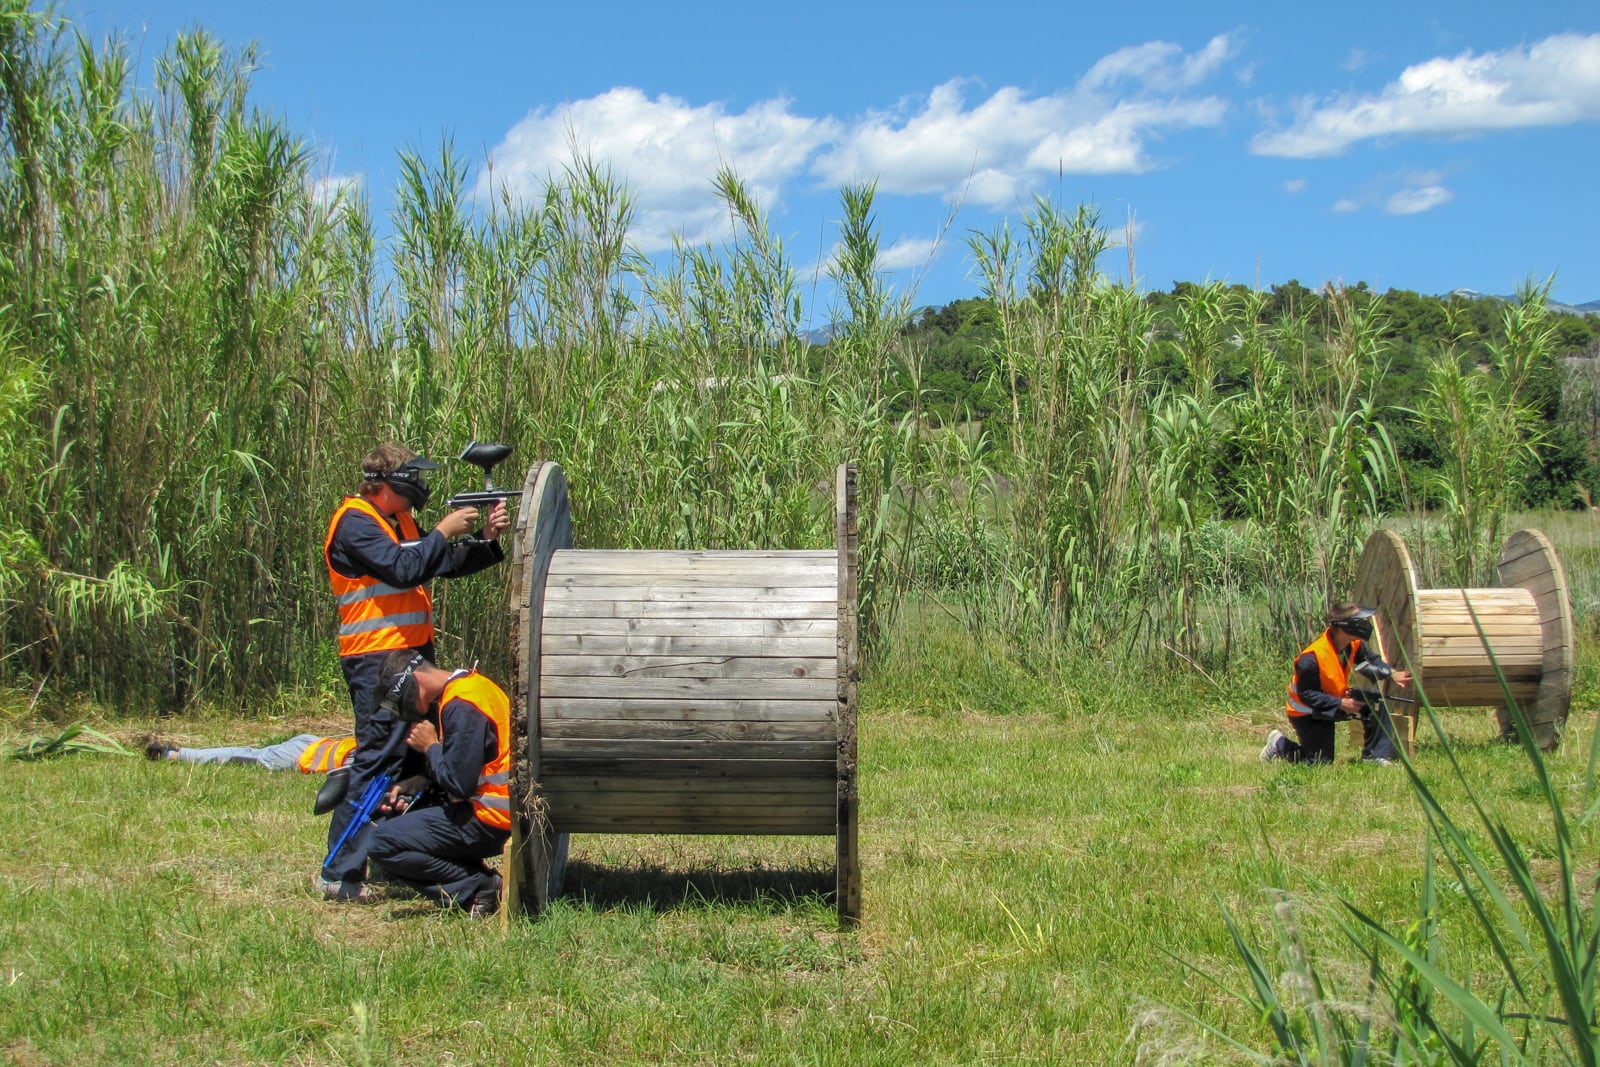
{"x": 439, "y": 850}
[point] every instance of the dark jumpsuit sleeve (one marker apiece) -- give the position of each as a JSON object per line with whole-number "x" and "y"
{"x": 469, "y": 743}
{"x": 361, "y": 548}
{"x": 1308, "y": 683}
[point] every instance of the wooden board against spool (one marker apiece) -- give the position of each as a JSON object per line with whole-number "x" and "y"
{"x": 1386, "y": 579}
{"x": 847, "y": 867}
{"x": 538, "y": 850}
{"x": 1528, "y": 561}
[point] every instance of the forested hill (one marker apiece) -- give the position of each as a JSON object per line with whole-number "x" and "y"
{"x": 952, "y": 354}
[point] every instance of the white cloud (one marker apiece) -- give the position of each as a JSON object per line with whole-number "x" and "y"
{"x": 1294, "y": 185}
{"x": 1404, "y": 193}
{"x": 908, "y": 253}
{"x": 1417, "y": 200}
{"x": 333, "y": 187}
{"x": 1552, "y": 82}
{"x": 665, "y": 151}
{"x": 994, "y": 151}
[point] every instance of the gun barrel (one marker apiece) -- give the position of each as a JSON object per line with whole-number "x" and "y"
{"x": 484, "y": 498}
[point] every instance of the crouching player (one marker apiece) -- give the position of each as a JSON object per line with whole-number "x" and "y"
{"x": 1318, "y": 692}
{"x": 444, "y": 822}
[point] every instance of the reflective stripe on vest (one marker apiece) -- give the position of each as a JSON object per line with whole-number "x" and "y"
{"x": 492, "y": 804}
{"x": 373, "y": 615}
{"x": 324, "y": 755}
{"x": 1335, "y": 675}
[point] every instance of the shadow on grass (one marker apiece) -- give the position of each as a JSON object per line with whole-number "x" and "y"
{"x": 664, "y": 889}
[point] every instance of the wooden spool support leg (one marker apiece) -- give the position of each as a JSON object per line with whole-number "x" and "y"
{"x": 847, "y": 865}
{"x": 1386, "y": 579}
{"x": 538, "y": 850}
{"x": 1529, "y": 562}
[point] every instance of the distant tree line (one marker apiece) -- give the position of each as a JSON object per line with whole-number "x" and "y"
{"x": 952, "y": 379}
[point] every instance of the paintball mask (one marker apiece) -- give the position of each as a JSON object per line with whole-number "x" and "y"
{"x": 401, "y": 699}
{"x": 409, "y": 480}
{"x": 1357, "y": 624}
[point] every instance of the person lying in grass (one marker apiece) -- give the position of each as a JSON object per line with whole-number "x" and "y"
{"x": 1319, "y": 692}
{"x": 311, "y": 753}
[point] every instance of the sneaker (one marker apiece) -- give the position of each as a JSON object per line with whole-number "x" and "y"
{"x": 486, "y": 901}
{"x": 350, "y": 892}
{"x": 1273, "y": 749}
{"x": 1379, "y": 761}
{"x": 155, "y": 748}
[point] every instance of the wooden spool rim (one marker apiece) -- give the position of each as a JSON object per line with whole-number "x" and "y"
{"x": 1386, "y": 579}
{"x": 537, "y": 864}
{"x": 1529, "y": 561}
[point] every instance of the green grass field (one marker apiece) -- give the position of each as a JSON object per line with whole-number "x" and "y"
{"x": 1030, "y": 885}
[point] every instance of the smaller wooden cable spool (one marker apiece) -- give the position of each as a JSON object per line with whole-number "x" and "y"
{"x": 679, "y": 692}
{"x": 1526, "y": 633}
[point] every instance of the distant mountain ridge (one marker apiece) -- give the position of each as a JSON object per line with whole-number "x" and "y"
{"x": 1588, "y": 307}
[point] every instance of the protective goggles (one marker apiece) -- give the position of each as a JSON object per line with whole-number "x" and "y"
{"x": 1358, "y": 625}
{"x": 409, "y": 480}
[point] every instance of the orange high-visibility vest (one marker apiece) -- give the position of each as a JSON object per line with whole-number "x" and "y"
{"x": 373, "y": 616}
{"x": 1335, "y": 676}
{"x": 324, "y": 755}
{"x": 492, "y": 803}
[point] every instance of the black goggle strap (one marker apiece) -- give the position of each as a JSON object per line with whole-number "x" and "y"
{"x": 411, "y": 472}
{"x": 394, "y": 700}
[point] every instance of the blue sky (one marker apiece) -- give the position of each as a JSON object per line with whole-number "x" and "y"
{"x": 1425, "y": 147}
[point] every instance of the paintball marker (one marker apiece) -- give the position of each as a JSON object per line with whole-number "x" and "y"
{"x": 484, "y": 455}
{"x": 1371, "y": 697}
{"x": 377, "y": 788}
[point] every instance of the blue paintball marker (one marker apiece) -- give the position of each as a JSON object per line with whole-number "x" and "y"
{"x": 401, "y": 702}
{"x": 377, "y": 789}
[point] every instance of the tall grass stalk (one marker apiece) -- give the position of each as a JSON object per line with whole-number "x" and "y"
{"x": 206, "y": 335}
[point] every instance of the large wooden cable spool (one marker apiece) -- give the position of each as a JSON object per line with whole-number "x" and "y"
{"x": 1460, "y": 643}
{"x": 682, "y": 692}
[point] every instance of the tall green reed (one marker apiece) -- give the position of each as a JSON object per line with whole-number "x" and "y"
{"x": 205, "y": 338}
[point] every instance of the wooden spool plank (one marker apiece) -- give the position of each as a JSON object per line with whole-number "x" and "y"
{"x": 671, "y": 729}
{"x": 645, "y": 590}
{"x": 680, "y": 768}
{"x": 682, "y": 807}
{"x": 537, "y": 863}
{"x": 607, "y": 785}
{"x": 603, "y": 562}
{"x": 753, "y": 608}
{"x": 1480, "y": 694}
{"x": 687, "y": 710}
{"x": 611, "y": 626}
{"x": 776, "y": 573}
{"x": 686, "y": 688}
{"x": 816, "y": 804}
{"x": 556, "y": 749}
{"x": 666, "y": 823}
{"x": 1529, "y": 561}
{"x": 1527, "y": 629}
{"x": 687, "y": 645}
{"x": 704, "y": 666}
